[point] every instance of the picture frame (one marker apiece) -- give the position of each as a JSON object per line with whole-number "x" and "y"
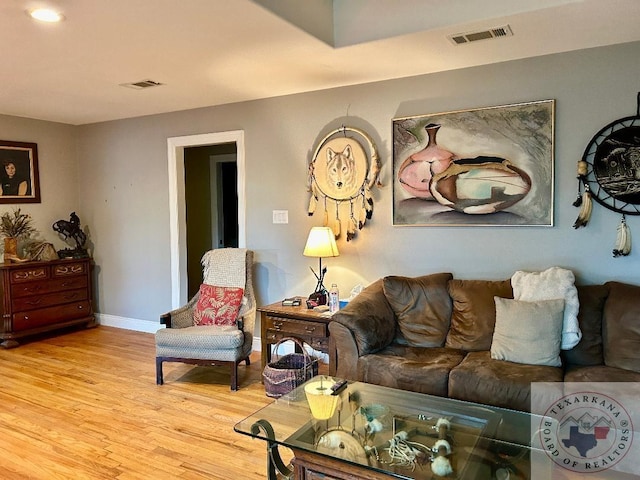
{"x": 19, "y": 178}
{"x": 490, "y": 166}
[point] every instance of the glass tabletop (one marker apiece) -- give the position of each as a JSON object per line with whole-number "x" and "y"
{"x": 402, "y": 434}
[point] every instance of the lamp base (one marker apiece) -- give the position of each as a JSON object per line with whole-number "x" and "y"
{"x": 317, "y": 298}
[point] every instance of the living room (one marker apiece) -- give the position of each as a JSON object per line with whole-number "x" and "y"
{"x": 114, "y": 174}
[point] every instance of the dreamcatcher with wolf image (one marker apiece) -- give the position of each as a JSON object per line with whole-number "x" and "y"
{"x": 341, "y": 176}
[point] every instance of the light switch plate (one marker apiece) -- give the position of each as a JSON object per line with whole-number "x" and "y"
{"x": 281, "y": 216}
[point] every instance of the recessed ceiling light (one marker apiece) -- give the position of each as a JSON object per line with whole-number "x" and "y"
{"x": 46, "y": 15}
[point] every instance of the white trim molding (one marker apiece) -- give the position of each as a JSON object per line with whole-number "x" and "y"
{"x": 177, "y": 209}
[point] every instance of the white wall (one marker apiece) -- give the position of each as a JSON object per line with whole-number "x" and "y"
{"x": 123, "y": 183}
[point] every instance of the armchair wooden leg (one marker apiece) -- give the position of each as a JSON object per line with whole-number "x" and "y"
{"x": 234, "y": 376}
{"x": 159, "y": 376}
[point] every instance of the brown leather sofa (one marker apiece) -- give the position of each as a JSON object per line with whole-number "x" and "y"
{"x": 433, "y": 334}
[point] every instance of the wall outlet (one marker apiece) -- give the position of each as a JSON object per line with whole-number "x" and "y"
{"x": 281, "y": 216}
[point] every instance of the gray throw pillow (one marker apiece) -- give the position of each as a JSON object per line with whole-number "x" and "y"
{"x": 528, "y": 332}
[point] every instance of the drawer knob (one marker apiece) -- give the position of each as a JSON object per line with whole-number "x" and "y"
{"x": 310, "y": 329}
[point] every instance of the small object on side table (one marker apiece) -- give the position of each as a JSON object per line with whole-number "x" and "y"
{"x": 291, "y": 302}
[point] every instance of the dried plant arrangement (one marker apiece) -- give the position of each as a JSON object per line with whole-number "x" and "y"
{"x": 16, "y": 224}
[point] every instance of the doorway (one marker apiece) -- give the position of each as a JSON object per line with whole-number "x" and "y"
{"x": 211, "y": 202}
{"x": 178, "y": 203}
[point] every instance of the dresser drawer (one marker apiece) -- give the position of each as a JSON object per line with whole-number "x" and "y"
{"x": 71, "y": 268}
{"x": 48, "y": 300}
{"x": 296, "y": 327}
{"x": 48, "y": 316}
{"x": 29, "y": 274}
{"x": 24, "y": 289}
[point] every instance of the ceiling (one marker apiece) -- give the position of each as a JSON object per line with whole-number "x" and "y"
{"x": 213, "y": 52}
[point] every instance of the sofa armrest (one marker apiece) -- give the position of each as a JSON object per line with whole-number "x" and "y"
{"x": 346, "y": 351}
{"x": 370, "y": 320}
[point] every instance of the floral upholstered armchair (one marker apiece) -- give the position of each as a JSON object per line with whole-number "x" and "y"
{"x": 216, "y": 326}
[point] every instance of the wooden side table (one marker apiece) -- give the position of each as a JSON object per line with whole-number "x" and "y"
{"x": 310, "y": 326}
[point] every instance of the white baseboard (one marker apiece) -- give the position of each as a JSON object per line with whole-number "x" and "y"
{"x": 146, "y": 326}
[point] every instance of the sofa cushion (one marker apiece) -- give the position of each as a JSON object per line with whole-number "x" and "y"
{"x": 370, "y": 318}
{"x": 528, "y": 332}
{"x": 600, "y": 373}
{"x": 423, "y": 370}
{"x": 589, "y": 349}
{"x": 621, "y": 326}
{"x": 474, "y": 312}
{"x": 481, "y": 379}
{"x": 422, "y": 306}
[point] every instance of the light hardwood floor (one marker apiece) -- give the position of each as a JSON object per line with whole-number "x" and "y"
{"x": 84, "y": 405}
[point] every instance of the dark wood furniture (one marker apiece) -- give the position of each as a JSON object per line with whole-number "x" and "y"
{"x": 310, "y": 326}
{"x": 41, "y": 296}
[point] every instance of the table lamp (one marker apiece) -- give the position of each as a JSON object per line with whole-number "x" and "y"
{"x": 320, "y": 243}
{"x": 320, "y": 397}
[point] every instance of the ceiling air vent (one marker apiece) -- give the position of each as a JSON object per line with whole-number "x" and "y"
{"x": 141, "y": 84}
{"x": 460, "y": 38}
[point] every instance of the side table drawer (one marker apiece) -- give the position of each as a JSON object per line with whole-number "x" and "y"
{"x": 296, "y": 327}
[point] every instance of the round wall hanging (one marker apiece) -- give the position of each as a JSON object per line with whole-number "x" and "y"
{"x": 341, "y": 173}
{"x": 609, "y": 173}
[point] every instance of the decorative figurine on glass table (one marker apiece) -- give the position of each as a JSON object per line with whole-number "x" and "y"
{"x": 71, "y": 229}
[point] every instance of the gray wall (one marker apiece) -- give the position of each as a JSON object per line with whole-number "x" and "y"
{"x": 58, "y": 172}
{"x": 123, "y": 183}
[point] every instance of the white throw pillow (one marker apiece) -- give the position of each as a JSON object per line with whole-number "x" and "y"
{"x": 555, "y": 282}
{"x": 528, "y": 332}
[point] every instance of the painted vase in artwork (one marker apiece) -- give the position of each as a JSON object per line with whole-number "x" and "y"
{"x": 480, "y": 185}
{"x": 416, "y": 172}
{"x": 10, "y": 248}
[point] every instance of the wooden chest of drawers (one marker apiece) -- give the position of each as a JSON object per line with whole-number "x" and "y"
{"x": 42, "y": 296}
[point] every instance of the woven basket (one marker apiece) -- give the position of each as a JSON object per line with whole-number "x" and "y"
{"x": 285, "y": 373}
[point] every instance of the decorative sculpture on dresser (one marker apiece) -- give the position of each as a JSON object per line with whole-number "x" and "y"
{"x": 71, "y": 229}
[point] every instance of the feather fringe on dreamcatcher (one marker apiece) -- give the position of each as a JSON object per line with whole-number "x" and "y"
{"x": 584, "y": 200}
{"x": 623, "y": 239}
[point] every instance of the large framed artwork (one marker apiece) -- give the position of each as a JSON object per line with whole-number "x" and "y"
{"x": 487, "y": 166}
{"x": 19, "y": 181}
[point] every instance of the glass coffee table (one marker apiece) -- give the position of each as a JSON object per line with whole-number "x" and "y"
{"x": 372, "y": 432}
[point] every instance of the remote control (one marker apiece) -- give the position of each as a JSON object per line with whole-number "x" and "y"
{"x": 338, "y": 387}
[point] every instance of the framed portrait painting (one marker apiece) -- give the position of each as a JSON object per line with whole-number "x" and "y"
{"x": 487, "y": 166}
{"x": 19, "y": 181}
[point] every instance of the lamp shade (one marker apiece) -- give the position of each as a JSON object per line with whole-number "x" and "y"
{"x": 321, "y": 243}
{"x": 321, "y": 401}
